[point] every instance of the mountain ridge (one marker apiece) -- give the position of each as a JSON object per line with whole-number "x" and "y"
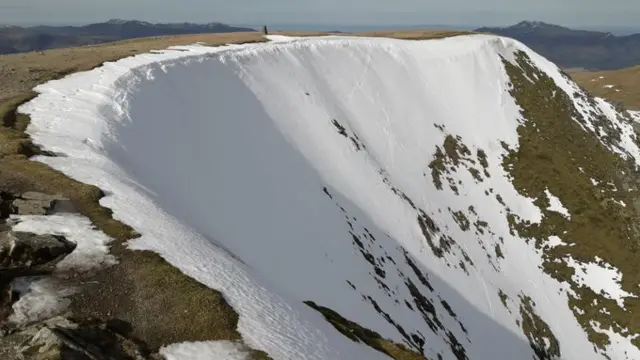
{"x": 16, "y": 39}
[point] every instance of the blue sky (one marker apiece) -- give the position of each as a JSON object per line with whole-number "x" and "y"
{"x": 343, "y": 12}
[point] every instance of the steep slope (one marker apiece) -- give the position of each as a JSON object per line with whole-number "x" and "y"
{"x": 460, "y": 196}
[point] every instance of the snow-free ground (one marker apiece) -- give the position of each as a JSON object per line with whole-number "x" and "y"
{"x": 272, "y": 172}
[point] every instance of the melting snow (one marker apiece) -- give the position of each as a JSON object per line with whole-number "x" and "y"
{"x": 92, "y": 245}
{"x": 42, "y": 297}
{"x": 554, "y": 241}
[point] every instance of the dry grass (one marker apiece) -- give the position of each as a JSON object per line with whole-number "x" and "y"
{"x": 142, "y": 285}
{"x": 626, "y": 81}
{"x": 21, "y": 72}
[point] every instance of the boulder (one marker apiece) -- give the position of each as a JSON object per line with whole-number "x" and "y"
{"x": 60, "y": 338}
{"x": 33, "y": 203}
{"x": 24, "y": 253}
{"x": 6, "y": 204}
{"x": 36, "y": 203}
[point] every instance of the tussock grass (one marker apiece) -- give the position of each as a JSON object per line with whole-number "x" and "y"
{"x": 626, "y": 81}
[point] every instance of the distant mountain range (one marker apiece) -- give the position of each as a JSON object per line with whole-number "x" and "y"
{"x": 570, "y": 48}
{"x": 16, "y": 39}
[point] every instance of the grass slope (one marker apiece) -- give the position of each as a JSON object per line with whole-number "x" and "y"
{"x": 626, "y": 85}
{"x": 553, "y": 149}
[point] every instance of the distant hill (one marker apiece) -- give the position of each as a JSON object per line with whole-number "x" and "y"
{"x": 571, "y": 48}
{"x": 15, "y": 39}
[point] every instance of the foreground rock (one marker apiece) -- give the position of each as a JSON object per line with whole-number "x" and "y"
{"x": 24, "y": 253}
{"x": 60, "y": 338}
{"x": 35, "y": 203}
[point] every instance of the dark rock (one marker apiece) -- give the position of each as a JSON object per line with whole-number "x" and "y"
{"x": 7, "y": 298}
{"x": 24, "y": 253}
{"x": 97, "y": 341}
{"x": 60, "y": 338}
{"x": 6, "y": 204}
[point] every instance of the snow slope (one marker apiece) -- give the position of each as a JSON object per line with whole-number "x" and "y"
{"x": 298, "y": 170}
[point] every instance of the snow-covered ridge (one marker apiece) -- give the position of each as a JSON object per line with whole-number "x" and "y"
{"x": 298, "y": 170}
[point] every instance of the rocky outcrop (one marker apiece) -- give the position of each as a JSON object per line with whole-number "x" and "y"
{"x": 35, "y": 203}
{"x": 60, "y": 338}
{"x": 27, "y": 254}
{"x": 24, "y": 253}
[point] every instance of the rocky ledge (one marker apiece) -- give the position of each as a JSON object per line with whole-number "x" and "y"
{"x": 26, "y": 255}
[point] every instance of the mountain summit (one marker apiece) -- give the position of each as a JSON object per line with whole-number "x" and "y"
{"x": 369, "y": 198}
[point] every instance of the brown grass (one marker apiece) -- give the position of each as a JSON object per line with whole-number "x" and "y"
{"x": 21, "y": 72}
{"x": 627, "y": 81}
{"x": 142, "y": 285}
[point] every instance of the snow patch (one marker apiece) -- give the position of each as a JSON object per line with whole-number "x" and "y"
{"x": 92, "y": 245}
{"x": 601, "y": 277}
{"x": 40, "y": 299}
{"x": 206, "y": 350}
{"x": 556, "y": 205}
{"x": 554, "y": 241}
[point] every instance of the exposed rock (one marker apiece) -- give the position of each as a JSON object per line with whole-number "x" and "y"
{"x": 97, "y": 341}
{"x": 6, "y": 204}
{"x": 35, "y": 203}
{"x": 59, "y": 338}
{"x": 6, "y": 298}
{"x": 24, "y": 253}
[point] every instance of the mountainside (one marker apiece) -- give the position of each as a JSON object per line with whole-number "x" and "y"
{"x": 360, "y": 198}
{"x": 16, "y": 39}
{"x": 574, "y": 48}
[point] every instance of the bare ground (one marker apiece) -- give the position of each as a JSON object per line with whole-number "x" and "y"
{"x": 142, "y": 285}
{"x": 626, "y": 83}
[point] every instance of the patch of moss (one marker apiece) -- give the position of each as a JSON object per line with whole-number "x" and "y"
{"x": 558, "y": 152}
{"x": 450, "y": 156}
{"x": 461, "y": 219}
{"x": 357, "y": 333}
{"x": 541, "y": 339}
{"x": 503, "y": 298}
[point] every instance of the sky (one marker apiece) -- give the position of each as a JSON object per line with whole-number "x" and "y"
{"x": 330, "y": 12}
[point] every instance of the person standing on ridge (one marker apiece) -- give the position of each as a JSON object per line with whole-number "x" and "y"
{"x": 264, "y": 30}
